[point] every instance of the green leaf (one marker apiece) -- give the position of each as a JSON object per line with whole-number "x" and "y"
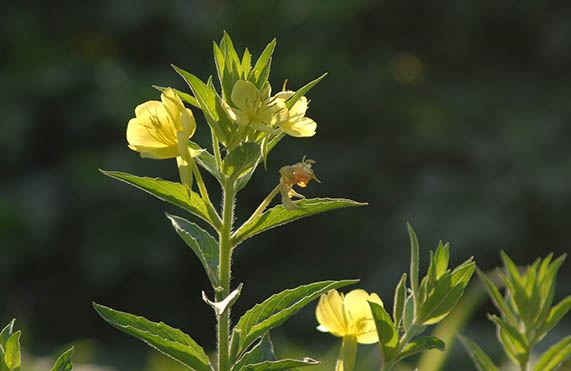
{"x": 219, "y": 62}
{"x": 278, "y": 308}
{"x": 279, "y": 215}
{"x": 171, "y": 192}
{"x": 554, "y": 356}
{"x": 262, "y": 351}
{"x": 408, "y": 316}
{"x": 511, "y": 268}
{"x": 5, "y": 334}
{"x": 413, "y": 262}
{"x": 182, "y": 95}
{"x": 399, "y": 300}
{"x": 12, "y": 357}
{"x": 301, "y": 92}
{"x": 202, "y": 244}
{"x": 241, "y": 160}
{"x": 496, "y": 297}
{"x": 281, "y": 365}
{"x": 448, "y": 290}
{"x": 261, "y": 70}
{"x": 63, "y": 363}
{"x": 441, "y": 258}
{"x": 206, "y": 97}
{"x": 420, "y": 344}
{"x": 167, "y": 340}
{"x": 388, "y": 335}
{"x": 480, "y": 359}
{"x": 206, "y": 160}
{"x": 246, "y": 64}
{"x": 555, "y": 315}
{"x": 513, "y": 342}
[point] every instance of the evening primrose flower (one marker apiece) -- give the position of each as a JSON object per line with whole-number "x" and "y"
{"x": 161, "y": 130}
{"x": 297, "y": 124}
{"x": 256, "y": 109}
{"x": 299, "y": 174}
{"x": 350, "y": 317}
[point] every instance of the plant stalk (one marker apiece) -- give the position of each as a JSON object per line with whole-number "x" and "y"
{"x": 224, "y": 266}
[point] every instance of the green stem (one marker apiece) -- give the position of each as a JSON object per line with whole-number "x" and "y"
{"x": 225, "y": 261}
{"x": 216, "y": 149}
{"x": 412, "y": 331}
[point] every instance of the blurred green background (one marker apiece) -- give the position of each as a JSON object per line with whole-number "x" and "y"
{"x": 452, "y": 115}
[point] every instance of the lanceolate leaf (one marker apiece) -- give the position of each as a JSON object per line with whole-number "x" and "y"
{"x": 63, "y": 363}
{"x": 555, "y": 315}
{"x": 281, "y": 365}
{"x": 12, "y": 357}
{"x": 413, "y": 262}
{"x": 448, "y": 290}
{"x": 399, "y": 300}
{"x": 301, "y": 92}
{"x": 388, "y": 335}
{"x": 554, "y": 356}
{"x": 202, "y": 244}
{"x": 420, "y": 344}
{"x": 6, "y": 333}
{"x": 262, "y": 351}
{"x": 171, "y": 192}
{"x": 279, "y": 215}
{"x": 278, "y": 308}
{"x": 496, "y": 297}
{"x": 167, "y": 340}
{"x": 481, "y": 359}
{"x": 261, "y": 70}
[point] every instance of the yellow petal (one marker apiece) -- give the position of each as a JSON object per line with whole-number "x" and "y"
{"x": 330, "y": 314}
{"x": 187, "y": 123}
{"x": 359, "y": 316}
{"x": 305, "y": 127}
{"x": 141, "y": 135}
{"x": 156, "y": 153}
{"x": 172, "y": 103}
{"x": 279, "y": 112}
{"x": 285, "y": 95}
{"x": 299, "y": 108}
{"x": 244, "y": 95}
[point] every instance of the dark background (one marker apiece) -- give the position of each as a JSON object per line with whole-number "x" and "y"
{"x": 454, "y": 116}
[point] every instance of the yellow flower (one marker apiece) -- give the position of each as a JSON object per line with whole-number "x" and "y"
{"x": 348, "y": 315}
{"x": 299, "y": 174}
{"x": 297, "y": 124}
{"x": 161, "y": 130}
{"x": 254, "y": 108}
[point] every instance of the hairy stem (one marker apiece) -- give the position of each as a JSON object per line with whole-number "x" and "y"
{"x": 225, "y": 261}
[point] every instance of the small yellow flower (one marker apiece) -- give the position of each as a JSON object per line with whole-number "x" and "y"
{"x": 256, "y": 109}
{"x": 299, "y": 174}
{"x": 348, "y": 315}
{"x": 161, "y": 130}
{"x": 297, "y": 124}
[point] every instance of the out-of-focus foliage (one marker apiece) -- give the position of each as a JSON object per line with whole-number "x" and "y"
{"x": 454, "y": 116}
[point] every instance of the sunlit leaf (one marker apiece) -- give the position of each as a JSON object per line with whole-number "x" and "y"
{"x": 262, "y": 351}
{"x": 388, "y": 335}
{"x": 303, "y": 90}
{"x": 5, "y": 334}
{"x": 420, "y": 344}
{"x": 261, "y": 70}
{"x": 279, "y": 215}
{"x": 413, "y": 262}
{"x": 496, "y": 297}
{"x": 63, "y": 363}
{"x": 278, "y": 308}
{"x": 167, "y": 340}
{"x": 554, "y": 356}
{"x": 12, "y": 355}
{"x": 172, "y": 192}
{"x": 182, "y": 95}
{"x": 555, "y": 315}
{"x": 281, "y": 365}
